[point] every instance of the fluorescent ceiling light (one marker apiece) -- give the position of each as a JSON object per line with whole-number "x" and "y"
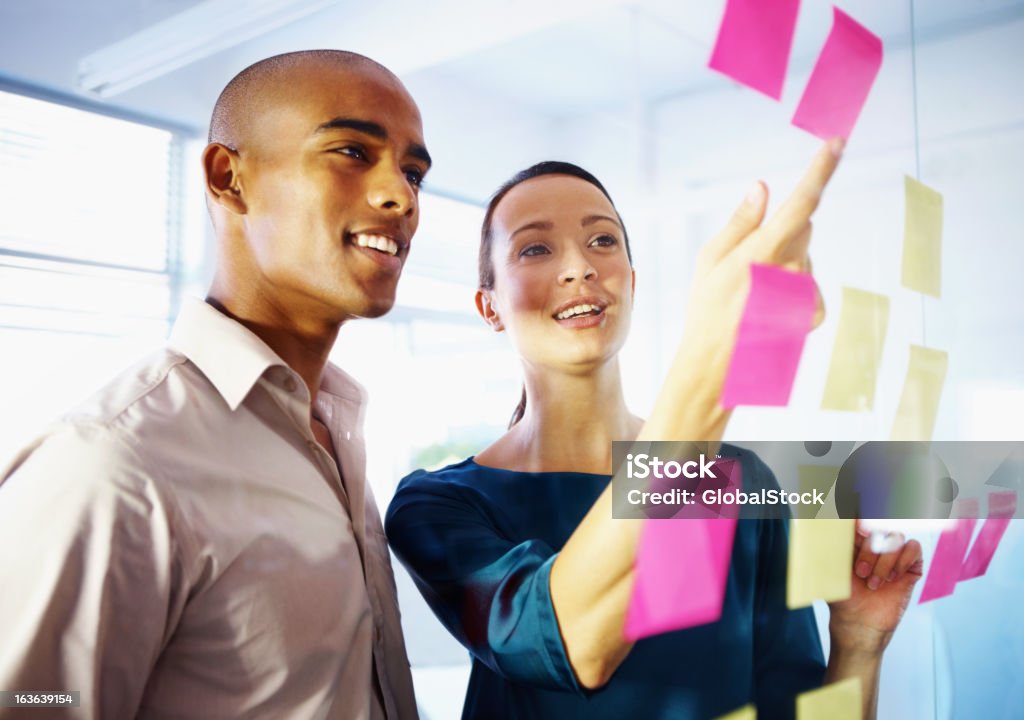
{"x": 196, "y": 33}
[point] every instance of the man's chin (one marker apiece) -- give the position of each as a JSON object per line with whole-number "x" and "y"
{"x": 376, "y": 307}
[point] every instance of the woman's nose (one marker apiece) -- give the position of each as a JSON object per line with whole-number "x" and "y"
{"x": 576, "y": 267}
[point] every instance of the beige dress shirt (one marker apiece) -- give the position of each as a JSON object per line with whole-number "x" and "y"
{"x": 183, "y": 547}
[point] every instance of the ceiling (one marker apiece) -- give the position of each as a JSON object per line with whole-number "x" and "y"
{"x": 512, "y": 81}
{"x": 553, "y": 57}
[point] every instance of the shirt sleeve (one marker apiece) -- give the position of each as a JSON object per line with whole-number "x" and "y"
{"x": 788, "y": 658}
{"x": 89, "y": 565}
{"x": 491, "y": 593}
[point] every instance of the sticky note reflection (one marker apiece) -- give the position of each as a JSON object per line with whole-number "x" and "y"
{"x": 948, "y": 559}
{"x": 814, "y": 477}
{"x": 922, "y": 238}
{"x": 778, "y": 315}
{"x": 857, "y": 353}
{"x": 754, "y": 41}
{"x": 838, "y": 701}
{"x": 747, "y": 712}
{"x": 922, "y": 390}
{"x": 841, "y": 79}
{"x": 1001, "y": 508}
{"x": 820, "y": 561}
{"x": 681, "y": 570}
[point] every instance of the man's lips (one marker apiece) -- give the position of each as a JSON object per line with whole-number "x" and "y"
{"x": 386, "y": 249}
{"x": 383, "y": 240}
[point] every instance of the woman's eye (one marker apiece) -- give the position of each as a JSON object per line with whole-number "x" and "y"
{"x": 604, "y": 241}
{"x": 415, "y": 178}
{"x": 533, "y": 250}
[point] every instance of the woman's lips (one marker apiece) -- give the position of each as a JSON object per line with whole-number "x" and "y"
{"x": 578, "y": 322}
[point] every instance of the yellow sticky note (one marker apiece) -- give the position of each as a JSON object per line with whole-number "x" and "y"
{"x": 922, "y": 238}
{"x": 853, "y": 372}
{"x": 838, "y": 701}
{"x": 922, "y": 390}
{"x": 814, "y": 477}
{"x": 747, "y": 712}
{"x": 820, "y": 561}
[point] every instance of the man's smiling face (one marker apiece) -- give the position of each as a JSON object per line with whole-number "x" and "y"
{"x": 330, "y": 173}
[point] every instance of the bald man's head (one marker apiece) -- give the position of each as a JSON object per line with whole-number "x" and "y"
{"x": 313, "y": 173}
{"x": 263, "y": 84}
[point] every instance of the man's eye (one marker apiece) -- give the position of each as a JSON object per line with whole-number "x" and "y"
{"x": 415, "y": 178}
{"x": 353, "y": 151}
{"x": 533, "y": 250}
{"x": 604, "y": 241}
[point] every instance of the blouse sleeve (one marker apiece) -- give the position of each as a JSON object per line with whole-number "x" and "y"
{"x": 492, "y": 594}
{"x": 788, "y": 657}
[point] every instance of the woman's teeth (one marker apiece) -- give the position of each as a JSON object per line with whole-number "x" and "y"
{"x": 377, "y": 242}
{"x": 578, "y": 310}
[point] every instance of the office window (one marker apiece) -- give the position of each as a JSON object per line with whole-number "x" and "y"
{"x": 88, "y": 253}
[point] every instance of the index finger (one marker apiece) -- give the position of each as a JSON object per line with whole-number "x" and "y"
{"x": 803, "y": 201}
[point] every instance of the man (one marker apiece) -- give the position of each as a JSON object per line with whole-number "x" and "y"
{"x": 199, "y": 541}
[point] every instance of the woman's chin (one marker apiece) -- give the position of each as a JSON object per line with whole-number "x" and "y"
{"x": 584, "y": 357}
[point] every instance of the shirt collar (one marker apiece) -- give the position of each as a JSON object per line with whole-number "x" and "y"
{"x": 336, "y": 381}
{"x": 233, "y": 358}
{"x": 230, "y": 355}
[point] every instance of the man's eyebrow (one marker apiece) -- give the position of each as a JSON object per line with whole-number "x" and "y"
{"x": 591, "y": 219}
{"x": 375, "y": 130}
{"x": 536, "y": 225}
{"x": 420, "y": 153}
{"x": 364, "y": 126}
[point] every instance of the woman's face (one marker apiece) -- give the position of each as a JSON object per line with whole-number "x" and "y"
{"x": 563, "y": 286}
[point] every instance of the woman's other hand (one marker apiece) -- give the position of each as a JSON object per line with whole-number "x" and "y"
{"x": 881, "y": 587}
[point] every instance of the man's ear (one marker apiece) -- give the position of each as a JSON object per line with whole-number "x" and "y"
{"x": 223, "y": 186}
{"x": 488, "y": 310}
{"x": 633, "y": 285}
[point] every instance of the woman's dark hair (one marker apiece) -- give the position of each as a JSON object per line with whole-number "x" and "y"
{"x": 486, "y": 262}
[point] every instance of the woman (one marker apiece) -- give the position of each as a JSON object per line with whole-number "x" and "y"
{"x": 516, "y": 549}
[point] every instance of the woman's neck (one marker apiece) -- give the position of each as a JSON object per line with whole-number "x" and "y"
{"x": 569, "y": 423}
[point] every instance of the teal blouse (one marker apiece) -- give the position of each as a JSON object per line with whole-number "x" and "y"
{"x": 479, "y": 543}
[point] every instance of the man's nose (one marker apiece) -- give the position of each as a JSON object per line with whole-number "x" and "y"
{"x": 391, "y": 191}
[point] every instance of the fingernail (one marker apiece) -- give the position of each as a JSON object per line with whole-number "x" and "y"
{"x": 863, "y": 569}
{"x": 836, "y": 145}
{"x": 892, "y": 576}
{"x": 754, "y": 194}
{"x": 874, "y": 582}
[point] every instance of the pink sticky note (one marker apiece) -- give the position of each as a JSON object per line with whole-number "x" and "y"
{"x": 681, "y": 570}
{"x": 778, "y": 315}
{"x": 1001, "y": 507}
{"x": 754, "y": 41}
{"x": 841, "y": 79}
{"x": 949, "y": 553}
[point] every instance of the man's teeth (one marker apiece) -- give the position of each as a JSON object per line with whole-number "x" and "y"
{"x": 578, "y": 310}
{"x": 377, "y": 242}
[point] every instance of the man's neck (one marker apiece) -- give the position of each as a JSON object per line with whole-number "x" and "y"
{"x": 304, "y": 346}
